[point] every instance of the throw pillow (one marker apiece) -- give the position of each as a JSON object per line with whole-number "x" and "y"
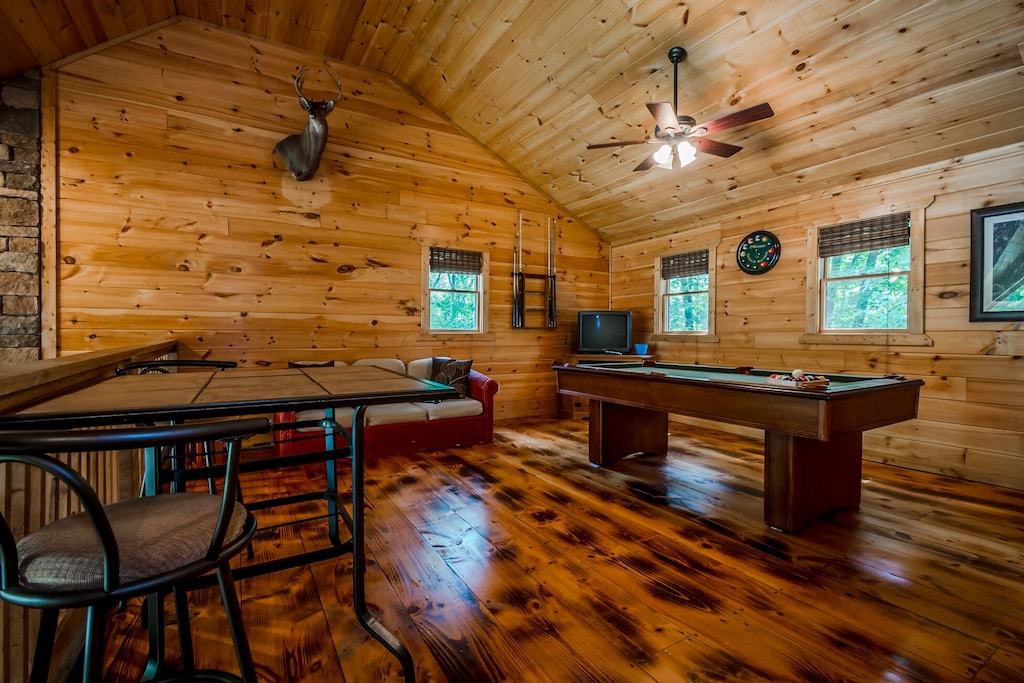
{"x": 454, "y": 373}
{"x": 435, "y": 365}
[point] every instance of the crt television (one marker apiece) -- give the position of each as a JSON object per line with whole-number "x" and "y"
{"x": 605, "y": 332}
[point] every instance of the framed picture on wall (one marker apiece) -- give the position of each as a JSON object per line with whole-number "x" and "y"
{"x": 997, "y": 263}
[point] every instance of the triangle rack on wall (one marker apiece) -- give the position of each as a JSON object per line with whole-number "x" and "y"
{"x": 541, "y": 310}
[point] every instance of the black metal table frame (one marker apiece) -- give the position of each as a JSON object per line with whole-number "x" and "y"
{"x": 355, "y": 520}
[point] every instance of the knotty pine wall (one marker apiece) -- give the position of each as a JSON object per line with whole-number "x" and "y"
{"x": 971, "y": 418}
{"x": 176, "y": 221}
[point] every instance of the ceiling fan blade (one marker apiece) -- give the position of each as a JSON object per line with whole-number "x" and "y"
{"x": 721, "y": 149}
{"x": 624, "y": 142}
{"x": 739, "y": 118}
{"x": 665, "y": 115}
{"x": 647, "y": 163}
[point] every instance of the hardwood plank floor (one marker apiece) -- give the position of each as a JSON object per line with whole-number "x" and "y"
{"x": 517, "y": 561}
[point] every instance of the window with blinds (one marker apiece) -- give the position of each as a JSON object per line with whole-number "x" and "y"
{"x": 454, "y": 290}
{"x": 865, "y": 274}
{"x": 685, "y": 298}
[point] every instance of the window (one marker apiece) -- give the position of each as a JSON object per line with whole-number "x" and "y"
{"x": 865, "y": 274}
{"x": 684, "y": 293}
{"x": 454, "y": 291}
{"x": 866, "y": 285}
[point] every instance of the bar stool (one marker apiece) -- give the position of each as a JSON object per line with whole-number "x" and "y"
{"x": 142, "y": 546}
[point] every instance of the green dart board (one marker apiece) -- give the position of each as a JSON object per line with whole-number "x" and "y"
{"x": 758, "y": 252}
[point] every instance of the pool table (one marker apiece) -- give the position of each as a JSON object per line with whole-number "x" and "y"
{"x": 812, "y": 433}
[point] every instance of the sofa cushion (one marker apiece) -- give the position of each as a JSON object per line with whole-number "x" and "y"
{"x": 453, "y": 407}
{"x": 392, "y": 364}
{"x": 421, "y": 368}
{"x": 384, "y": 414}
{"x": 454, "y": 373}
{"x": 393, "y": 413}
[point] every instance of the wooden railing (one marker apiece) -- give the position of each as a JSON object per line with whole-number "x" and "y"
{"x": 29, "y": 502}
{"x": 22, "y": 385}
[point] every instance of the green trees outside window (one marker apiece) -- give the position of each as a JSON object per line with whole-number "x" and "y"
{"x": 867, "y": 290}
{"x": 454, "y": 301}
{"x": 686, "y": 303}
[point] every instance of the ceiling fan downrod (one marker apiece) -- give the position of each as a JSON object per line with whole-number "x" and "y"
{"x": 676, "y": 55}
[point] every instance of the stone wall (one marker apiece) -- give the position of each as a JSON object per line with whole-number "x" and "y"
{"x": 19, "y": 219}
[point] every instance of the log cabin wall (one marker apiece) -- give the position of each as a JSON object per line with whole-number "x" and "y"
{"x": 177, "y": 221}
{"x": 970, "y": 422}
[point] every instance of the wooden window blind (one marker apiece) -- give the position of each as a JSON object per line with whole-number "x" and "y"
{"x": 871, "y": 234}
{"x": 444, "y": 260}
{"x": 684, "y": 265}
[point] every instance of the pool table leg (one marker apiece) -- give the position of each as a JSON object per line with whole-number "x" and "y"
{"x": 617, "y": 431}
{"x": 805, "y": 478}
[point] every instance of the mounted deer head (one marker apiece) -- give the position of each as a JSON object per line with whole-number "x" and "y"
{"x": 302, "y": 151}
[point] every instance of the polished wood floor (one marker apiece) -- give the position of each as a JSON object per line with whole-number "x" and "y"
{"x": 517, "y": 561}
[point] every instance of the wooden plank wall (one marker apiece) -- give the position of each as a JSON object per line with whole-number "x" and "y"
{"x": 175, "y": 221}
{"x": 971, "y": 422}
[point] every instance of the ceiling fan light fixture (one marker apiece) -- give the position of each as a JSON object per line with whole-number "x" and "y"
{"x": 674, "y": 157}
{"x": 664, "y": 156}
{"x": 686, "y": 153}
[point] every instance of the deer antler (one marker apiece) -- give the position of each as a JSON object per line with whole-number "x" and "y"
{"x": 337, "y": 82}
{"x": 300, "y": 78}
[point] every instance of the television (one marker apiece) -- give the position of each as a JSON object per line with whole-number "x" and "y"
{"x": 605, "y": 332}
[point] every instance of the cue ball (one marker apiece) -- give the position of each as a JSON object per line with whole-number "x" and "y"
{"x": 798, "y": 373}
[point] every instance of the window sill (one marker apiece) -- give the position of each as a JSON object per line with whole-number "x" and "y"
{"x": 683, "y": 337}
{"x": 452, "y": 335}
{"x": 868, "y": 339}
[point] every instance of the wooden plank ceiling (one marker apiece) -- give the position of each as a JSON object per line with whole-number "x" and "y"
{"x": 859, "y": 87}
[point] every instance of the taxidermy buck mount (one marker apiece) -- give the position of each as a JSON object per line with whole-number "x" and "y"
{"x": 302, "y": 151}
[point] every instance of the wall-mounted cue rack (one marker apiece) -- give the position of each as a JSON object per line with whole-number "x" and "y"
{"x": 541, "y": 311}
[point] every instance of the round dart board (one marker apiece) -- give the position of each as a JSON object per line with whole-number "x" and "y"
{"x": 758, "y": 252}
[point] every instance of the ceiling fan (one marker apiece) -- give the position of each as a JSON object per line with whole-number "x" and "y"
{"x": 679, "y": 136}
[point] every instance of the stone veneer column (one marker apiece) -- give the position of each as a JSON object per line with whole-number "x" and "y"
{"x": 20, "y": 321}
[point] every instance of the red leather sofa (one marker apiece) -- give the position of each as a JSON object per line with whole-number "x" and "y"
{"x": 405, "y": 437}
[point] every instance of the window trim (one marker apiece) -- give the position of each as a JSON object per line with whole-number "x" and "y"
{"x": 699, "y": 336}
{"x": 483, "y": 294}
{"x": 914, "y": 334}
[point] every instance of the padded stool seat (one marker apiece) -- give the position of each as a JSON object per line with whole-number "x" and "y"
{"x": 67, "y": 555}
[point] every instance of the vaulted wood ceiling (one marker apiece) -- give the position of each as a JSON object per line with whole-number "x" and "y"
{"x": 860, "y": 87}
